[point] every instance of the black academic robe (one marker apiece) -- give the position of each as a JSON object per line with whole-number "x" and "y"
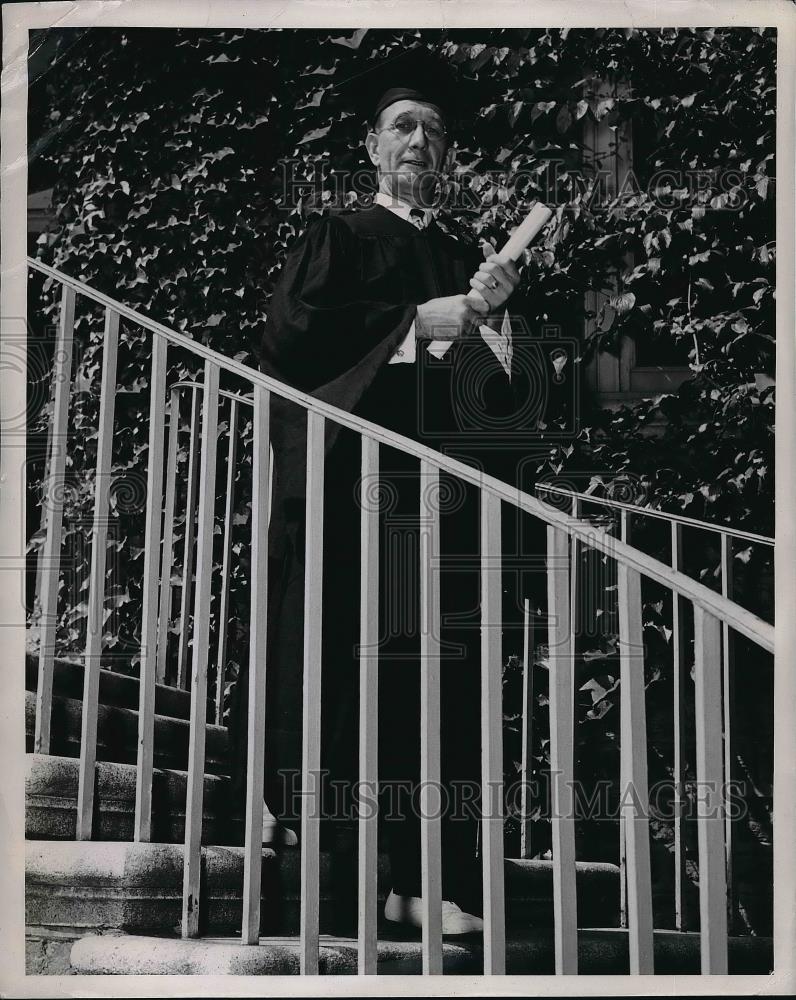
{"x": 345, "y": 300}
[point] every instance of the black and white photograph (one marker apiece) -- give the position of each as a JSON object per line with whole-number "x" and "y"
{"x": 391, "y": 442}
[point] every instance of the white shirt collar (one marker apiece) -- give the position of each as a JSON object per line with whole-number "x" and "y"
{"x": 401, "y": 209}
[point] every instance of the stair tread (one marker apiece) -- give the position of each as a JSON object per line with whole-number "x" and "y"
{"x": 36, "y": 760}
{"x": 600, "y": 950}
{"x": 108, "y": 886}
{"x": 124, "y": 711}
{"x": 51, "y": 785}
{"x": 108, "y": 856}
{"x": 115, "y": 688}
{"x": 117, "y": 734}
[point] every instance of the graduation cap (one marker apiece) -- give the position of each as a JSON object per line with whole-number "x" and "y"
{"x": 415, "y": 74}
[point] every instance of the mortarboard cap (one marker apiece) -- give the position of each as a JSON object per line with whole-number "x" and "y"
{"x": 415, "y": 74}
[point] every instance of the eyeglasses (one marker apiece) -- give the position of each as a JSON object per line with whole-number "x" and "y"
{"x": 405, "y": 126}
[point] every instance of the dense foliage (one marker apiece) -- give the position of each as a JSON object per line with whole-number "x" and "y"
{"x": 169, "y": 153}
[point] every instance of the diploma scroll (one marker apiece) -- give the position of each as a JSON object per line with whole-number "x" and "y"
{"x": 526, "y": 232}
{"x": 523, "y": 236}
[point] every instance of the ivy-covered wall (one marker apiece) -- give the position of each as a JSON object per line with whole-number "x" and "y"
{"x": 169, "y": 150}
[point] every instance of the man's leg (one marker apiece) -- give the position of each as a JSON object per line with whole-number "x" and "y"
{"x": 460, "y": 596}
{"x": 399, "y": 766}
{"x": 460, "y": 719}
{"x": 283, "y": 709}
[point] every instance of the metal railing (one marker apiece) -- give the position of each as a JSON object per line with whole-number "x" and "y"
{"x": 712, "y": 612}
{"x": 180, "y": 676}
{"x": 578, "y": 504}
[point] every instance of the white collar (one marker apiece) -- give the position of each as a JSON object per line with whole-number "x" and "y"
{"x": 401, "y": 209}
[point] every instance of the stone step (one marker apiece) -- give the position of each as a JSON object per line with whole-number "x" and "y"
{"x": 115, "y": 688}
{"x": 51, "y": 801}
{"x": 96, "y": 887}
{"x": 117, "y": 735}
{"x": 600, "y": 951}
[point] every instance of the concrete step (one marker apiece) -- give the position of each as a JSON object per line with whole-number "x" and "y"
{"x": 115, "y": 688}
{"x": 117, "y": 735}
{"x": 96, "y": 887}
{"x": 51, "y": 801}
{"x": 600, "y": 951}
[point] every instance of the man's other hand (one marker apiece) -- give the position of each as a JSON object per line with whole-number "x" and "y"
{"x": 447, "y": 318}
{"x": 494, "y": 281}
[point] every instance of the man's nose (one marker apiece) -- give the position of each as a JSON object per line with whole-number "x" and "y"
{"x": 419, "y": 137}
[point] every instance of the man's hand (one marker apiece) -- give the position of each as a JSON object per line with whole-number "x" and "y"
{"x": 447, "y": 318}
{"x": 493, "y": 282}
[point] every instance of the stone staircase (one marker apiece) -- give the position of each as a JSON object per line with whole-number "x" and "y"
{"x": 113, "y": 906}
{"x": 117, "y": 724}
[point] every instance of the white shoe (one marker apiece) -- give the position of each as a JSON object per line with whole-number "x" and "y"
{"x": 408, "y": 910}
{"x": 274, "y": 832}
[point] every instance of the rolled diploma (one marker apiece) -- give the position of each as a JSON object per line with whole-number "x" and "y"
{"x": 526, "y": 232}
{"x": 523, "y": 235}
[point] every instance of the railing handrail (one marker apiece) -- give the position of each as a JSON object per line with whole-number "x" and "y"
{"x": 742, "y": 621}
{"x": 187, "y": 383}
{"x": 689, "y": 522}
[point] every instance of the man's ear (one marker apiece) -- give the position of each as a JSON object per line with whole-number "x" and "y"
{"x": 371, "y": 145}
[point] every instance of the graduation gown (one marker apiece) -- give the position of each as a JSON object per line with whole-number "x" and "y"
{"x": 345, "y": 300}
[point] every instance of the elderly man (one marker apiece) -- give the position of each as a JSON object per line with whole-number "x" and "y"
{"x": 371, "y": 314}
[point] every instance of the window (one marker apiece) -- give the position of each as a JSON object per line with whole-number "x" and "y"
{"x": 642, "y": 367}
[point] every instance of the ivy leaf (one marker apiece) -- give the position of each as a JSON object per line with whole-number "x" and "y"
{"x": 316, "y": 133}
{"x": 563, "y": 119}
{"x": 541, "y": 108}
{"x": 353, "y": 42}
{"x": 623, "y": 303}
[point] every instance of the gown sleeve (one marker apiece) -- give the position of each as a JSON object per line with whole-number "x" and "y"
{"x": 323, "y": 328}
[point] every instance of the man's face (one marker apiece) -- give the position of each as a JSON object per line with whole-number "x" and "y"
{"x": 407, "y": 158}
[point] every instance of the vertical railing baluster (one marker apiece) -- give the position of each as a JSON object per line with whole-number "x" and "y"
{"x": 526, "y": 766}
{"x": 678, "y": 673}
{"x": 201, "y": 638}
{"x": 634, "y": 787}
{"x": 96, "y": 592}
{"x": 188, "y": 541}
{"x": 562, "y": 752}
{"x": 142, "y": 821}
{"x": 709, "y": 800}
{"x": 492, "y": 737}
{"x": 253, "y": 841}
{"x": 43, "y": 518}
{"x": 624, "y": 535}
{"x": 728, "y": 693}
{"x": 54, "y": 498}
{"x": 164, "y": 610}
{"x": 226, "y": 561}
{"x": 430, "y": 708}
{"x": 311, "y": 703}
{"x": 574, "y": 573}
{"x": 367, "y": 885}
